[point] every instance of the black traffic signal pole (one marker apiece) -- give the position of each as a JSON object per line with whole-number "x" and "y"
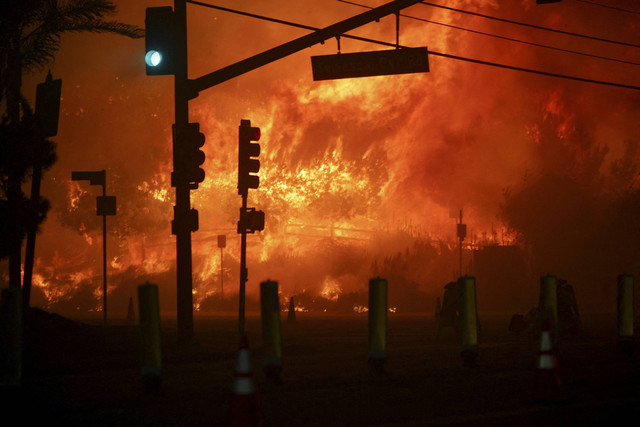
{"x": 47, "y": 112}
{"x": 248, "y": 166}
{"x": 104, "y": 254}
{"x": 243, "y": 264}
{"x": 30, "y": 248}
{"x": 182, "y": 208}
{"x": 186, "y": 89}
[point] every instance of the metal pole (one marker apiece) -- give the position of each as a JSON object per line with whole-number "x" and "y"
{"x": 183, "y": 202}
{"x": 460, "y": 245}
{"x": 31, "y": 240}
{"x": 221, "y": 284}
{"x": 243, "y": 265}
{"x": 397, "y": 29}
{"x": 104, "y": 258}
{"x": 14, "y": 191}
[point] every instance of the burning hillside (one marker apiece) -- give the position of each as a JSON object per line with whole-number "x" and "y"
{"x": 358, "y": 177}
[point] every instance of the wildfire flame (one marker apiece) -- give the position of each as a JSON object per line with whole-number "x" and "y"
{"x": 358, "y": 176}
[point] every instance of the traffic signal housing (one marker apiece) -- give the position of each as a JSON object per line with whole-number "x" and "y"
{"x": 251, "y": 221}
{"x": 188, "y": 220}
{"x": 187, "y": 155}
{"x": 159, "y": 41}
{"x": 248, "y": 151}
{"x": 48, "y": 105}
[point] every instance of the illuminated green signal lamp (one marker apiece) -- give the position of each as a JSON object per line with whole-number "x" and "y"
{"x": 153, "y": 58}
{"x": 159, "y": 41}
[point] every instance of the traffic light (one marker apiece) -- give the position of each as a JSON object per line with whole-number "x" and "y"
{"x": 248, "y": 165}
{"x": 188, "y": 157}
{"x": 190, "y": 220}
{"x": 159, "y": 41}
{"x": 251, "y": 220}
{"x": 48, "y": 105}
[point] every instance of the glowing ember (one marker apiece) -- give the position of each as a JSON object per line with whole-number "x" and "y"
{"x": 360, "y": 308}
{"x": 331, "y": 289}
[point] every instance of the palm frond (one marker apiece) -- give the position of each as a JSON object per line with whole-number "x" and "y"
{"x": 38, "y": 47}
{"x": 100, "y": 26}
{"x": 86, "y": 9}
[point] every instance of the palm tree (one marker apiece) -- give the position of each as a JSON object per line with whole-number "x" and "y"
{"x": 30, "y": 32}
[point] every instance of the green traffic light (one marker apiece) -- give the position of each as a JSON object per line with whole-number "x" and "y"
{"x": 153, "y": 58}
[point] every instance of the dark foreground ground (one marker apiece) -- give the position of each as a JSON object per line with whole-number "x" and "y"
{"x": 76, "y": 373}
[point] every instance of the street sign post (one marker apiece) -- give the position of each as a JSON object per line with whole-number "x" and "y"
{"x": 105, "y": 206}
{"x": 222, "y": 243}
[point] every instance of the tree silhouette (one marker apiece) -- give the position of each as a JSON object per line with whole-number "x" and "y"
{"x": 30, "y": 32}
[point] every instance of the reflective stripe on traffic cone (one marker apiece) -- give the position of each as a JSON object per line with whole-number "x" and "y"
{"x": 245, "y": 403}
{"x": 547, "y": 379}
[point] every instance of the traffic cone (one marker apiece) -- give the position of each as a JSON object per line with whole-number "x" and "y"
{"x": 548, "y": 384}
{"x": 245, "y": 403}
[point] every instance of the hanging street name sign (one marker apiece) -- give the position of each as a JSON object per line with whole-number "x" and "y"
{"x": 374, "y": 63}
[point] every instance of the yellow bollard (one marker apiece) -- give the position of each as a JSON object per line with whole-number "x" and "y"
{"x": 377, "y": 323}
{"x": 149, "y": 313}
{"x": 625, "y": 311}
{"x": 271, "y": 330}
{"x": 548, "y": 305}
{"x": 467, "y": 319}
{"x": 11, "y": 336}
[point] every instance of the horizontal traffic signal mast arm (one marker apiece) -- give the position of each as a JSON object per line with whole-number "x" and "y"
{"x": 289, "y": 48}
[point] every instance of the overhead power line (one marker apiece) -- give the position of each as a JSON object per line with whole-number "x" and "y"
{"x": 609, "y": 6}
{"x": 538, "y": 27}
{"x": 606, "y": 58}
{"x": 431, "y": 52}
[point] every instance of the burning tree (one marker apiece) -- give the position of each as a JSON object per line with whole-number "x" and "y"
{"x": 30, "y": 32}
{"x": 578, "y": 214}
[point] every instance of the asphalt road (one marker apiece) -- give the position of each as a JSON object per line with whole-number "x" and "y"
{"x": 77, "y": 373}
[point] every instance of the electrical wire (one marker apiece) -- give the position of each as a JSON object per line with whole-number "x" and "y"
{"x": 606, "y": 58}
{"x": 538, "y": 27}
{"x": 431, "y": 52}
{"x": 609, "y": 6}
